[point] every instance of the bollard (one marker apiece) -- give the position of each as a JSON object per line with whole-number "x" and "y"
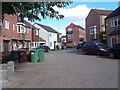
{"x": 4, "y": 75}
{"x": 10, "y": 68}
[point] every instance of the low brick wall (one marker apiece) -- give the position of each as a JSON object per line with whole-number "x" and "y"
{"x": 6, "y": 56}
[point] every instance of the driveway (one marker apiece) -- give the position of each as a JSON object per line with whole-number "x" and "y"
{"x": 67, "y": 69}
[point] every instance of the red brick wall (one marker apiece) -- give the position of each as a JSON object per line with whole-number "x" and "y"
{"x": 35, "y": 38}
{"x": 28, "y": 34}
{"x": 109, "y": 29}
{"x": 7, "y": 34}
{"x": 75, "y": 36}
{"x": 92, "y": 19}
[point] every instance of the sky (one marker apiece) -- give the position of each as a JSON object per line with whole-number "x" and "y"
{"x": 76, "y": 13}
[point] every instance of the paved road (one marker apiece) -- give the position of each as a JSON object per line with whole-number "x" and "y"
{"x": 68, "y": 69}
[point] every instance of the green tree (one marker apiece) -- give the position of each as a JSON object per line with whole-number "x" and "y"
{"x": 33, "y": 10}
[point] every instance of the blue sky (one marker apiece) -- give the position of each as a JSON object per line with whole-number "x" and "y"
{"x": 76, "y": 13}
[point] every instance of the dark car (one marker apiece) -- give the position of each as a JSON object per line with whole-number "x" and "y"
{"x": 114, "y": 52}
{"x": 80, "y": 46}
{"x": 46, "y": 48}
{"x": 95, "y": 48}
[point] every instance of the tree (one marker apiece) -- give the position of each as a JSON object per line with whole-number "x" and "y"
{"x": 32, "y": 10}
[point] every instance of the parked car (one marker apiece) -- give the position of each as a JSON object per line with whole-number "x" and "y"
{"x": 114, "y": 52}
{"x": 95, "y": 48}
{"x": 80, "y": 46}
{"x": 46, "y": 48}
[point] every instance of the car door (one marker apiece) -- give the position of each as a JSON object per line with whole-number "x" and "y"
{"x": 93, "y": 48}
{"x": 117, "y": 50}
{"x": 89, "y": 48}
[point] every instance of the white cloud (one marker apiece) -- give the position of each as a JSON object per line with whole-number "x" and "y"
{"x": 75, "y": 15}
{"x": 62, "y": 31}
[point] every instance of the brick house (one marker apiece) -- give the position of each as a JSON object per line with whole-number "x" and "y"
{"x": 75, "y": 34}
{"x": 113, "y": 27}
{"x": 9, "y": 33}
{"x": 95, "y": 24}
{"x": 16, "y": 33}
{"x": 35, "y": 37}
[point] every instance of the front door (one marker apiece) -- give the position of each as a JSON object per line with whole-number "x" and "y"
{"x": 114, "y": 41}
{"x": 5, "y": 45}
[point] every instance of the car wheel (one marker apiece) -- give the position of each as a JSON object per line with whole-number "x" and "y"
{"x": 85, "y": 52}
{"x": 98, "y": 53}
{"x": 111, "y": 55}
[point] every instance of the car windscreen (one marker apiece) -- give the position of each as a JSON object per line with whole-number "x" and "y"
{"x": 101, "y": 45}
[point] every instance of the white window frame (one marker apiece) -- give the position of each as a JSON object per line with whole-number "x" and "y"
{"x": 113, "y": 22}
{"x": 50, "y": 44}
{"x": 93, "y": 31}
{"x": 13, "y": 26}
{"x": 22, "y": 29}
{"x": 118, "y": 20}
{"x": 69, "y": 30}
{"x": 69, "y": 36}
{"x": 6, "y": 24}
{"x": 50, "y": 34}
{"x": 36, "y": 32}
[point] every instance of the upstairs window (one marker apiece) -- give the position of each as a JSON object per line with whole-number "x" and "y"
{"x": 6, "y": 24}
{"x": 36, "y": 32}
{"x": 93, "y": 31}
{"x": 119, "y": 21}
{"x": 50, "y": 34}
{"x": 21, "y": 29}
{"x": 69, "y": 30}
{"x": 13, "y": 26}
{"x": 69, "y": 36}
{"x": 115, "y": 22}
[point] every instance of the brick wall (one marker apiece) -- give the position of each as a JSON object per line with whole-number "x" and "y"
{"x": 7, "y": 34}
{"x": 77, "y": 32}
{"x": 94, "y": 19}
{"x": 109, "y": 29}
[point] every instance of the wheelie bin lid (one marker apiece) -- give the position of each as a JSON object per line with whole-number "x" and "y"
{"x": 41, "y": 49}
{"x": 33, "y": 50}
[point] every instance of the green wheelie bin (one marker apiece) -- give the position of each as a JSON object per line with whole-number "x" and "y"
{"x": 41, "y": 55}
{"x": 34, "y": 56}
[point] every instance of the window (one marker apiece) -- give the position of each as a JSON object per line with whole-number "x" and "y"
{"x": 13, "y": 26}
{"x": 119, "y": 21}
{"x": 69, "y": 36}
{"x": 21, "y": 29}
{"x": 50, "y": 34}
{"x": 112, "y": 23}
{"x": 51, "y": 44}
{"x": 6, "y": 24}
{"x": 115, "y": 22}
{"x": 69, "y": 30}
{"x": 36, "y": 32}
{"x": 93, "y": 31}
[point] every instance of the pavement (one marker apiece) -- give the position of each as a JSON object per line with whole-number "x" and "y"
{"x": 67, "y": 69}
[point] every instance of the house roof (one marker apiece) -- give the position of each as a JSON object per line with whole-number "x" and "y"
{"x": 47, "y": 28}
{"x": 77, "y": 26}
{"x": 115, "y": 32}
{"x": 29, "y": 25}
{"x": 103, "y": 12}
{"x": 63, "y": 36}
{"x": 41, "y": 39}
{"x": 114, "y": 13}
